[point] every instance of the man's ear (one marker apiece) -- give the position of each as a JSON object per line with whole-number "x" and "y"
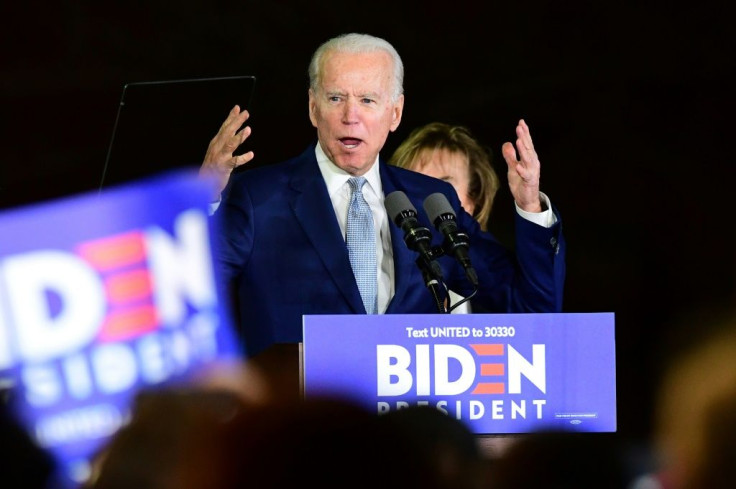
{"x": 396, "y": 111}
{"x": 313, "y": 107}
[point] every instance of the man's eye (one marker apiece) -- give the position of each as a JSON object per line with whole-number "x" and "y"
{"x": 334, "y": 98}
{"x": 368, "y": 101}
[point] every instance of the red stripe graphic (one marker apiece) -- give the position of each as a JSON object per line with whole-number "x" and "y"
{"x": 114, "y": 252}
{"x": 129, "y": 323}
{"x": 126, "y": 287}
{"x": 492, "y": 368}
{"x": 494, "y": 349}
{"x": 489, "y": 388}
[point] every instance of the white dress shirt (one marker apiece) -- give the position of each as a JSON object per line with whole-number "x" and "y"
{"x": 339, "y": 191}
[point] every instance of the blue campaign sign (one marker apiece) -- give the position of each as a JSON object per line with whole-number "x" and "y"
{"x": 498, "y": 373}
{"x": 102, "y": 295}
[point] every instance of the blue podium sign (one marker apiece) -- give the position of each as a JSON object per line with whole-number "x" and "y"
{"x": 498, "y": 373}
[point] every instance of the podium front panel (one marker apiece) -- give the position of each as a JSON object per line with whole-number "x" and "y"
{"x": 498, "y": 373}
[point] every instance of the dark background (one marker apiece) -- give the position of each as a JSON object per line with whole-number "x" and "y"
{"x": 629, "y": 104}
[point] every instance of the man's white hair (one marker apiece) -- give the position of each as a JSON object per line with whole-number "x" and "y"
{"x": 357, "y": 43}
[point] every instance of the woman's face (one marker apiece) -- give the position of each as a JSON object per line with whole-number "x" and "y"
{"x": 450, "y": 166}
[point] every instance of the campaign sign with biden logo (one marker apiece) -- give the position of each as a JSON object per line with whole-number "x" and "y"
{"x": 102, "y": 295}
{"x": 498, "y": 373}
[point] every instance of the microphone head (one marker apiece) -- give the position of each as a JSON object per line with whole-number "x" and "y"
{"x": 439, "y": 210}
{"x": 443, "y": 218}
{"x": 399, "y": 207}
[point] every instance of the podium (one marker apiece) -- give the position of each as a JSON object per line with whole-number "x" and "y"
{"x": 502, "y": 375}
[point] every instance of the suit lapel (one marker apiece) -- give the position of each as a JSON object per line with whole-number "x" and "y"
{"x": 314, "y": 212}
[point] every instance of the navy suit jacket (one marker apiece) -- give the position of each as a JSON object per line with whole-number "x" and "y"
{"x": 281, "y": 253}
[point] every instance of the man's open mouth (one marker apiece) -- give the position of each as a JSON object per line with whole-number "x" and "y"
{"x": 350, "y": 143}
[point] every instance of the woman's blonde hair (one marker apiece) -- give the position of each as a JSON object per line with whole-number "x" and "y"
{"x": 483, "y": 180}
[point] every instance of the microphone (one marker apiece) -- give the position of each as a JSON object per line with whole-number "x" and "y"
{"x": 417, "y": 237}
{"x": 456, "y": 242}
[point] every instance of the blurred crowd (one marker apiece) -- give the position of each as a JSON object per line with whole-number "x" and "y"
{"x": 232, "y": 430}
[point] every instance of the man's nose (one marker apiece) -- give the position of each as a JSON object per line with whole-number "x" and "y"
{"x": 350, "y": 111}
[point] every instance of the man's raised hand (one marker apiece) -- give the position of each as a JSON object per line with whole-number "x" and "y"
{"x": 219, "y": 161}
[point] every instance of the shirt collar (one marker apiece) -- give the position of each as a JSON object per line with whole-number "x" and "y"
{"x": 336, "y": 178}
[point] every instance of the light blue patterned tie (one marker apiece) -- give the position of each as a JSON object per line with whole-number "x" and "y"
{"x": 361, "y": 241}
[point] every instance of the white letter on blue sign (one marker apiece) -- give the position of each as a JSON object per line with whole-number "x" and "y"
{"x": 182, "y": 268}
{"x": 442, "y": 384}
{"x": 385, "y": 370}
{"x": 536, "y": 371}
{"x": 43, "y": 334}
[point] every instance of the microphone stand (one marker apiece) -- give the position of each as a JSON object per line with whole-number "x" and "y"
{"x": 432, "y": 281}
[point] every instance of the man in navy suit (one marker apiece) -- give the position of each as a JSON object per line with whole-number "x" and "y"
{"x": 281, "y": 228}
